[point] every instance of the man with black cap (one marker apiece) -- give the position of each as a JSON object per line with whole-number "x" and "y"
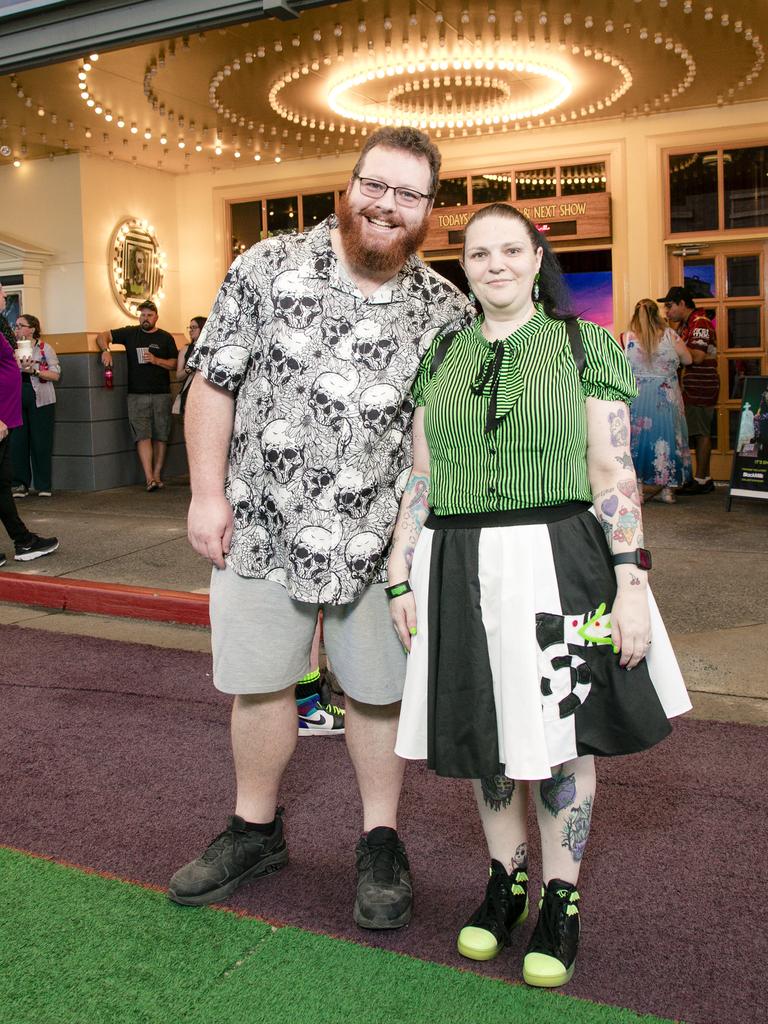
{"x": 151, "y": 355}
{"x": 700, "y": 383}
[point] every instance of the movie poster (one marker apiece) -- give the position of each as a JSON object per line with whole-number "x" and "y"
{"x": 749, "y": 475}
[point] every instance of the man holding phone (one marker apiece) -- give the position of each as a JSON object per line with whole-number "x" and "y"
{"x": 151, "y": 354}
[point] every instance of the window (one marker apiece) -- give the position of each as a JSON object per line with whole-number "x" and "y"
{"x": 582, "y": 179}
{"x": 452, "y": 192}
{"x": 246, "y": 225}
{"x": 316, "y": 208}
{"x": 693, "y": 191}
{"x": 742, "y": 276}
{"x": 282, "y": 215}
{"x": 745, "y": 179}
{"x": 537, "y": 183}
{"x": 491, "y": 188}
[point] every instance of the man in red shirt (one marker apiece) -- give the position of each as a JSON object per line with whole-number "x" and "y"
{"x": 701, "y": 382}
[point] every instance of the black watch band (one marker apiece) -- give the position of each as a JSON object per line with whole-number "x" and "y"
{"x": 641, "y": 557}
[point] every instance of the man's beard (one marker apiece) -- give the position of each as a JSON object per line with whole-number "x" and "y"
{"x": 145, "y": 325}
{"x": 379, "y": 260}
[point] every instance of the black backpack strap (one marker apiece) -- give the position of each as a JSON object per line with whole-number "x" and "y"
{"x": 441, "y": 351}
{"x": 577, "y": 345}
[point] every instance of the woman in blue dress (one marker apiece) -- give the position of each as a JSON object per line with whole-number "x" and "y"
{"x": 659, "y": 439}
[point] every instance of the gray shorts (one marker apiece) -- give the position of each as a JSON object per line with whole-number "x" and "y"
{"x": 698, "y": 419}
{"x": 262, "y": 638}
{"x": 149, "y": 417}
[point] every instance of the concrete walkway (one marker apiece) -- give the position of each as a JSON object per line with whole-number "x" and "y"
{"x": 709, "y": 568}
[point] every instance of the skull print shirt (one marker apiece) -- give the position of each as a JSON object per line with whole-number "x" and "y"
{"x": 321, "y": 444}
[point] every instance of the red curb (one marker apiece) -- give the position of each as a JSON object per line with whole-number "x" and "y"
{"x": 105, "y": 598}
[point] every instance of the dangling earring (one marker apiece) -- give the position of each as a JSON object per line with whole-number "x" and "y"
{"x": 536, "y": 287}
{"x": 471, "y": 298}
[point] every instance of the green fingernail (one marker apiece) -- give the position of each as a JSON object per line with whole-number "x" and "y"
{"x": 412, "y": 631}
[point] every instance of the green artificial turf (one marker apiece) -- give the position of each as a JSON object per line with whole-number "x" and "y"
{"x": 78, "y": 948}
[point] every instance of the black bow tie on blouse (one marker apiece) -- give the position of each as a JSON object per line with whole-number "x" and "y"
{"x": 500, "y": 372}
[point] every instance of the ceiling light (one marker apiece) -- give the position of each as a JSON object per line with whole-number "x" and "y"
{"x": 120, "y": 122}
{"x": 134, "y": 129}
{"x": 93, "y": 56}
{"x": 277, "y": 159}
{"x": 108, "y": 116}
{"x": 17, "y": 162}
{"x": 181, "y": 144}
{"x": 147, "y": 134}
{"x": 163, "y": 139}
{"x": 198, "y": 147}
{"x": 257, "y": 157}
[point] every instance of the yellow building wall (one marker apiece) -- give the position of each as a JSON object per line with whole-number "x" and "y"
{"x": 41, "y": 206}
{"x": 111, "y": 192}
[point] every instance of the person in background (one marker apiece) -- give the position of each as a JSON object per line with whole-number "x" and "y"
{"x": 529, "y": 620}
{"x": 659, "y": 436}
{"x": 701, "y": 381}
{"x": 27, "y": 545}
{"x": 151, "y": 355}
{"x": 32, "y": 443}
{"x": 183, "y": 373}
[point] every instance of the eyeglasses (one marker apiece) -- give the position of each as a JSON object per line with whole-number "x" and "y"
{"x": 378, "y": 189}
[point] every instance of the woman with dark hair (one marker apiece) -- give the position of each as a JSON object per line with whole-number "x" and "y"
{"x": 529, "y": 621}
{"x": 660, "y": 449}
{"x": 32, "y": 443}
{"x": 183, "y": 374}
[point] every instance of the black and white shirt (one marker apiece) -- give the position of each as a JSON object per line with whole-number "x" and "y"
{"x": 321, "y": 446}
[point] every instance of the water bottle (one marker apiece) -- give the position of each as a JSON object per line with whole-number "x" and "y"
{"x": 109, "y": 381}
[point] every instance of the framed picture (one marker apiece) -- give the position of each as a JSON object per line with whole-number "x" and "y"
{"x": 138, "y": 265}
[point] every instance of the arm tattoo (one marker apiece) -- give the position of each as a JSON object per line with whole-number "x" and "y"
{"x": 617, "y": 424}
{"x": 576, "y": 829}
{"x": 558, "y": 792}
{"x": 520, "y": 856}
{"x": 412, "y": 517}
{"x": 625, "y": 461}
{"x": 498, "y": 791}
{"x": 618, "y": 509}
{"x": 634, "y": 581}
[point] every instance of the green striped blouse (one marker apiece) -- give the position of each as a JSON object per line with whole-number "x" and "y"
{"x": 537, "y": 455}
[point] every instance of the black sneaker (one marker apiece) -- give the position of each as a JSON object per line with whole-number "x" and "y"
{"x": 551, "y": 956}
{"x": 235, "y": 856}
{"x": 36, "y": 548}
{"x": 694, "y": 486}
{"x": 505, "y": 906}
{"x": 384, "y": 891}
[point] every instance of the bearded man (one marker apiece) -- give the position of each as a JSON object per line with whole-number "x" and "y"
{"x": 298, "y": 429}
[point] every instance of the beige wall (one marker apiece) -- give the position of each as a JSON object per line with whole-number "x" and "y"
{"x": 112, "y": 191}
{"x": 41, "y": 207}
{"x": 633, "y": 147}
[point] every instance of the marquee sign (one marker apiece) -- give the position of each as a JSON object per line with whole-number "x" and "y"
{"x": 137, "y": 265}
{"x": 561, "y": 217}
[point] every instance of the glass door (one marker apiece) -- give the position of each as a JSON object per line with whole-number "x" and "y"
{"x": 728, "y": 282}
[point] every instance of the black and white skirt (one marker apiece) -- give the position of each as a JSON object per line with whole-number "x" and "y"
{"x": 512, "y": 669}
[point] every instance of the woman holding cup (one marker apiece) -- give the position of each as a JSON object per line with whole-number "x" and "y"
{"x": 32, "y": 443}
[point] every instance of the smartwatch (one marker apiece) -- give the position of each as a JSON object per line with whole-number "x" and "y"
{"x": 640, "y": 557}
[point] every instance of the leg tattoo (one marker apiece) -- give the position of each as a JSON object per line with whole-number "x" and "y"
{"x": 498, "y": 791}
{"x": 520, "y": 856}
{"x": 558, "y": 792}
{"x": 576, "y": 829}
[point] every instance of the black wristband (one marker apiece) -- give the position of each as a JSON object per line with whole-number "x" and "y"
{"x": 398, "y": 589}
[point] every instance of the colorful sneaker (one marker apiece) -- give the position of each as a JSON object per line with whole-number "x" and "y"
{"x": 36, "y": 547}
{"x": 551, "y": 955}
{"x": 318, "y": 719}
{"x": 235, "y": 856}
{"x": 505, "y": 907}
{"x": 384, "y": 891}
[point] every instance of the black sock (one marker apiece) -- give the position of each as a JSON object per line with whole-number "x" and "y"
{"x": 266, "y": 829}
{"x": 304, "y": 690}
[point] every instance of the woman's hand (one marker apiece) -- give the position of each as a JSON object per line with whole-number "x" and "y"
{"x": 27, "y": 364}
{"x": 631, "y": 625}
{"x": 403, "y": 612}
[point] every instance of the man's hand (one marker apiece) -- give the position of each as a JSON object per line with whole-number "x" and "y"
{"x": 209, "y": 528}
{"x": 106, "y": 357}
{"x": 3, "y": 431}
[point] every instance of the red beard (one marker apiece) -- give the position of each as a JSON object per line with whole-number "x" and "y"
{"x": 388, "y": 258}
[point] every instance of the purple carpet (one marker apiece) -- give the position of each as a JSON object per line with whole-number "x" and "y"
{"x": 116, "y": 757}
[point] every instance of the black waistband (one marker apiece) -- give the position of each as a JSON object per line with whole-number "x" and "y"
{"x": 507, "y": 517}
